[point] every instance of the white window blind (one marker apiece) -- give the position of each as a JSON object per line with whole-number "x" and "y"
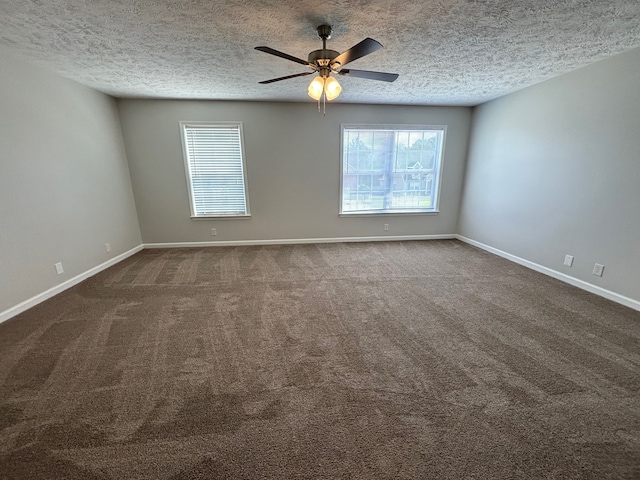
{"x": 215, "y": 169}
{"x": 390, "y": 169}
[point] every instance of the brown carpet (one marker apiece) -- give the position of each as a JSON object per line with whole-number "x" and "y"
{"x": 399, "y": 360}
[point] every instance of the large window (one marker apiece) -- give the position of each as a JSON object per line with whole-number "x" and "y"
{"x": 214, "y": 161}
{"x": 390, "y": 169}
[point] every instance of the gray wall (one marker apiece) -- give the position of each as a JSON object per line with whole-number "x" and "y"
{"x": 554, "y": 169}
{"x": 293, "y": 168}
{"x": 65, "y": 188}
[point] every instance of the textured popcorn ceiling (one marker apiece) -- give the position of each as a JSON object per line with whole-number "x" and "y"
{"x": 447, "y": 52}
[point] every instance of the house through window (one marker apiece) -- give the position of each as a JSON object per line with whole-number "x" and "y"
{"x": 390, "y": 169}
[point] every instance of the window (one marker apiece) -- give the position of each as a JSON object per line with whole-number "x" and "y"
{"x": 214, "y": 161}
{"x": 390, "y": 169}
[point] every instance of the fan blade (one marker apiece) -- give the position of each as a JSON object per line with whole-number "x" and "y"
{"x": 385, "y": 77}
{"x": 365, "y": 47}
{"x": 282, "y": 55}
{"x": 287, "y": 77}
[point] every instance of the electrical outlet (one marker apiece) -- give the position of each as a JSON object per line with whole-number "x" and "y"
{"x": 598, "y": 269}
{"x": 568, "y": 260}
{"x": 59, "y": 269}
{"x": 214, "y": 232}
{"x": 107, "y": 247}
{"x": 386, "y": 227}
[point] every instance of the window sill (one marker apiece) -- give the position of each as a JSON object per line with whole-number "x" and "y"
{"x": 369, "y": 214}
{"x": 221, "y": 217}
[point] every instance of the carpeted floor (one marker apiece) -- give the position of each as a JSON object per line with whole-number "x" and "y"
{"x": 399, "y": 360}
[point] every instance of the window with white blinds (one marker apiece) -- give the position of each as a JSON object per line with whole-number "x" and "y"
{"x": 215, "y": 168}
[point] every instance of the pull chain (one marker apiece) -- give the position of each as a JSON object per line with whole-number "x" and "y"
{"x": 324, "y": 104}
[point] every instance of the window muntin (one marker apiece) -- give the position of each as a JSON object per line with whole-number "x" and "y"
{"x": 215, "y": 167}
{"x": 390, "y": 169}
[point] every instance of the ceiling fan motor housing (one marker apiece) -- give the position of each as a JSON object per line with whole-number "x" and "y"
{"x": 322, "y": 58}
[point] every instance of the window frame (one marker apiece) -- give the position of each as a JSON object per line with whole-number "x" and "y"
{"x": 435, "y": 210}
{"x": 189, "y": 178}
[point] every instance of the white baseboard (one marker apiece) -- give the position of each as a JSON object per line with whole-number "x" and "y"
{"x": 589, "y": 287}
{"x": 21, "y": 307}
{"x": 289, "y": 241}
{"x": 41, "y": 297}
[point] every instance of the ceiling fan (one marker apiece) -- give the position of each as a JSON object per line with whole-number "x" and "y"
{"x": 325, "y": 62}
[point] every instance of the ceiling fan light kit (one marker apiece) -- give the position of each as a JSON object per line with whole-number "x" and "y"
{"x": 329, "y": 86}
{"x": 324, "y": 62}
{"x": 316, "y": 87}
